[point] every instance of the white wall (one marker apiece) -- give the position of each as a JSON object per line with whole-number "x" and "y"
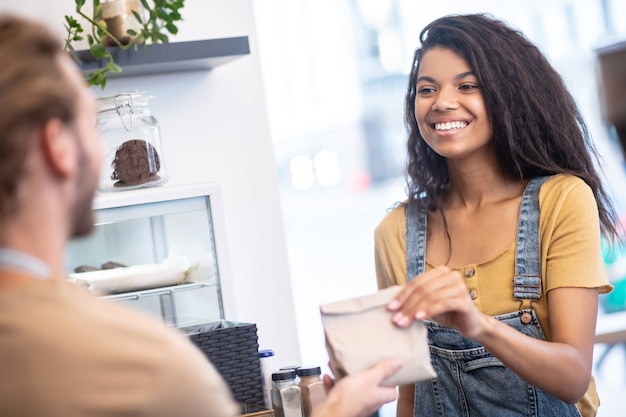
{"x": 214, "y": 128}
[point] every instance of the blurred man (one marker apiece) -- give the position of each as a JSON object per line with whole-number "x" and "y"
{"x": 62, "y": 351}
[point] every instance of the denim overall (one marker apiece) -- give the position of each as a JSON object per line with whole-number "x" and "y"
{"x": 470, "y": 380}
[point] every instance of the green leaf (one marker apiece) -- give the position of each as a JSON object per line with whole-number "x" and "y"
{"x": 98, "y": 51}
{"x": 113, "y": 67}
{"x": 171, "y": 28}
{"x": 79, "y": 4}
{"x": 162, "y": 14}
{"x": 137, "y": 16}
{"x": 92, "y": 75}
{"x": 96, "y": 77}
{"x": 97, "y": 12}
{"x": 131, "y": 32}
{"x": 100, "y": 80}
{"x": 77, "y": 38}
{"x": 90, "y": 39}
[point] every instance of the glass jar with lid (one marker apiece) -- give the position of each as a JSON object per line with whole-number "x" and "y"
{"x": 312, "y": 387}
{"x": 133, "y": 153}
{"x": 286, "y": 395}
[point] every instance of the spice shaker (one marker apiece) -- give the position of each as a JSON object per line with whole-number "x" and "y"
{"x": 312, "y": 388}
{"x": 291, "y": 368}
{"x": 286, "y": 395}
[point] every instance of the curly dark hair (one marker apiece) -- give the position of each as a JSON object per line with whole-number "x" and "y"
{"x": 537, "y": 127}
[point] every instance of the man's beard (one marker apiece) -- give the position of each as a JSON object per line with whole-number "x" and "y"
{"x": 82, "y": 215}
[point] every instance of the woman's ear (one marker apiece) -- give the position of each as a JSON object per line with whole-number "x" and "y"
{"x": 59, "y": 147}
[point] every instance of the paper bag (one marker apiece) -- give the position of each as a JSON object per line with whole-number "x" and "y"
{"x": 359, "y": 333}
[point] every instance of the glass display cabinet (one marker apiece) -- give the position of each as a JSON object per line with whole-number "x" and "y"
{"x": 164, "y": 250}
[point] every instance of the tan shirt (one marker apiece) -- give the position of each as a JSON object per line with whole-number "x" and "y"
{"x": 570, "y": 257}
{"x": 65, "y": 353}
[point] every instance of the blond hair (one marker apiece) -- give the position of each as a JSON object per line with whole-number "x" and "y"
{"x": 33, "y": 90}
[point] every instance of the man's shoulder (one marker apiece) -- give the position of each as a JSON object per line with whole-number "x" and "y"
{"x": 63, "y": 341}
{"x": 60, "y": 316}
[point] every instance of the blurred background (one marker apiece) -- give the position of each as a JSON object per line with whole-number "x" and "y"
{"x": 335, "y": 74}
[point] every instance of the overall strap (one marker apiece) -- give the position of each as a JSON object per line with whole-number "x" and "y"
{"x": 527, "y": 279}
{"x": 415, "y": 240}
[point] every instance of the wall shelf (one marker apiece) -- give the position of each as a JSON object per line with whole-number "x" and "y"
{"x": 170, "y": 57}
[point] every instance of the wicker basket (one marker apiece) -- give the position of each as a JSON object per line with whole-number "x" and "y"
{"x": 234, "y": 351}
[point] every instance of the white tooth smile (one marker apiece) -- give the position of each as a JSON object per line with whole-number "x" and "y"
{"x": 450, "y": 125}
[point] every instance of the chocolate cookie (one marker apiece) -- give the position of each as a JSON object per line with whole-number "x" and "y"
{"x": 85, "y": 268}
{"x": 112, "y": 265}
{"x": 136, "y": 162}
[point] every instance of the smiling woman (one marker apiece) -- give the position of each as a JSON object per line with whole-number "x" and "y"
{"x": 449, "y": 106}
{"x": 352, "y": 59}
{"x": 489, "y": 243}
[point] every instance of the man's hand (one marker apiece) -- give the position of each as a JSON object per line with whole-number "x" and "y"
{"x": 359, "y": 394}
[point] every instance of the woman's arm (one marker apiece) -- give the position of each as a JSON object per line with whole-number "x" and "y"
{"x": 561, "y": 367}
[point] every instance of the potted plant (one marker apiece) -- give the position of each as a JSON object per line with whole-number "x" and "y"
{"x": 120, "y": 24}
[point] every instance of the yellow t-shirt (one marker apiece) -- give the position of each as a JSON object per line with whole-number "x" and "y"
{"x": 570, "y": 257}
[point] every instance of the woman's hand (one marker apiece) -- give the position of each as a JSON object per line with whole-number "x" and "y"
{"x": 439, "y": 295}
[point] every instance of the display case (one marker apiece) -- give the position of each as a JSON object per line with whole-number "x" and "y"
{"x": 164, "y": 250}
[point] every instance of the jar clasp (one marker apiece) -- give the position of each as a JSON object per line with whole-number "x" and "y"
{"x": 125, "y": 109}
